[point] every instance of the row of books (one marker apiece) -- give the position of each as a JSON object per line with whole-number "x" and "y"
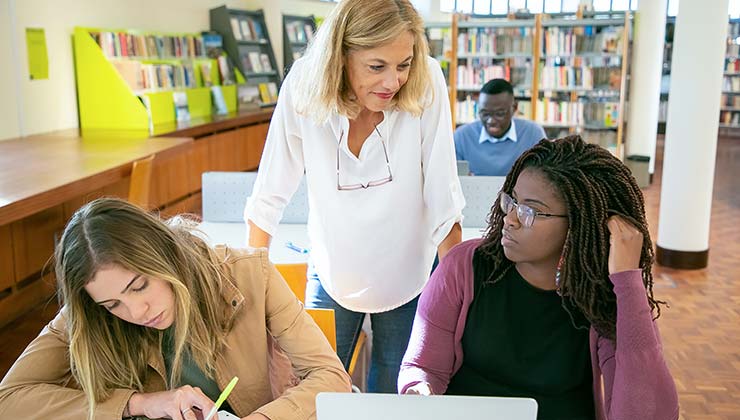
{"x": 499, "y": 41}
{"x": 256, "y": 62}
{"x": 729, "y": 118}
{"x": 731, "y": 84}
{"x": 122, "y": 44}
{"x": 466, "y": 110}
{"x": 559, "y": 113}
{"x": 732, "y": 65}
{"x": 139, "y": 76}
{"x": 478, "y": 75}
{"x": 601, "y": 114}
{"x": 246, "y": 29}
{"x": 730, "y": 101}
{"x": 299, "y": 31}
{"x": 156, "y": 76}
{"x": 580, "y": 60}
{"x": 578, "y": 114}
{"x": 568, "y": 41}
{"x": 257, "y": 95}
{"x": 585, "y": 78}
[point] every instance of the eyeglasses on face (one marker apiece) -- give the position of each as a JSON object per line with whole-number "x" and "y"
{"x": 524, "y": 213}
{"x": 499, "y": 114}
{"x": 370, "y": 184}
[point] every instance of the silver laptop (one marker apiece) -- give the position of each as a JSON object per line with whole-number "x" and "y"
{"x": 343, "y": 406}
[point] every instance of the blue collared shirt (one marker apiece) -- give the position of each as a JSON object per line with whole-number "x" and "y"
{"x": 495, "y": 156}
{"x": 509, "y": 135}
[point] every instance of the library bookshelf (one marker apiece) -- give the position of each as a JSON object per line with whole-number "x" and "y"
{"x": 126, "y": 78}
{"x": 569, "y": 73}
{"x": 298, "y": 32}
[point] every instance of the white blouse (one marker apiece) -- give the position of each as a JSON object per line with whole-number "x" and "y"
{"x": 372, "y": 248}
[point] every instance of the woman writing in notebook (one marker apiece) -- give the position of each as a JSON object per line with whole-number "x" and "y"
{"x": 366, "y": 117}
{"x": 155, "y": 323}
{"x": 556, "y": 298}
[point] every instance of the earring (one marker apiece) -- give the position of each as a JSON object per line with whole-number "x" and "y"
{"x": 561, "y": 261}
{"x": 558, "y": 273}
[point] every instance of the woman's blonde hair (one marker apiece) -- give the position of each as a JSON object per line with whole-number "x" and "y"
{"x": 106, "y": 352}
{"x": 321, "y": 87}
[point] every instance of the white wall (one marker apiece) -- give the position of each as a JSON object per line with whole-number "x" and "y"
{"x": 48, "y": 105}
{"x": 39, "y": 106}
{"x": 8, "y": 91}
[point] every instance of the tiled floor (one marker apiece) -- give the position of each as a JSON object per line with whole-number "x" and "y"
{"x": 701, "y": 329}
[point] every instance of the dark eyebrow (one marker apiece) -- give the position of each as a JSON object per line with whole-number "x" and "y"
{"x": 123, "y": 291}
{"x": 527, "y": 200}
{"x": 533, "y": 201}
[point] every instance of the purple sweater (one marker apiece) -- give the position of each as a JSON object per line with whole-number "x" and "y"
{"x": 637, "y": 383}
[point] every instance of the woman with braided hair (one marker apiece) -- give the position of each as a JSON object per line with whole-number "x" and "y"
{"x": 554, "y": 301}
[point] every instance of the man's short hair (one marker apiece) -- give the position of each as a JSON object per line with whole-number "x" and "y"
{"x": 495, "y": 86}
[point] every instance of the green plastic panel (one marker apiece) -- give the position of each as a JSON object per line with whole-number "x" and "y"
{"x": 105, "y": 100}
{"x": 199, "y": 102}
{"x": 229, "y": 92}
{"x": 162, "y": 107}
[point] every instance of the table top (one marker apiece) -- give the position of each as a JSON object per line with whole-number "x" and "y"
{"x": 41, "y": 171}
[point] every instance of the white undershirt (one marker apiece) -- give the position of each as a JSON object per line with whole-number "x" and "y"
{"x": 372, "y": 248}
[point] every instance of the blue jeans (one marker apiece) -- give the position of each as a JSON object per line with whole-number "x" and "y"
{"x": 391, "y": 332}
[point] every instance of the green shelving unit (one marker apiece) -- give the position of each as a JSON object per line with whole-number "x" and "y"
{"x": 105, "y": 95}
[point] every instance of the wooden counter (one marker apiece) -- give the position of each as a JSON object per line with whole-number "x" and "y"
{"x": 42, "y": 171}
{"x": 45, "y": 178}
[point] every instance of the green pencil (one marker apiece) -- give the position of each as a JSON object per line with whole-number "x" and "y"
{"x": 222, "y": 397}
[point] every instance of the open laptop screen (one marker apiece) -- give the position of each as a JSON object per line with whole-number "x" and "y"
{"x": 344, "y": 406}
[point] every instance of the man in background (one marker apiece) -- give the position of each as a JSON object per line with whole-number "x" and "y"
{"x": 492, "y": 144}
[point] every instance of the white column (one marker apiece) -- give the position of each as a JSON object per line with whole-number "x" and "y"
{"x": 647, "y": 66}
{"x": 691, "y": 134}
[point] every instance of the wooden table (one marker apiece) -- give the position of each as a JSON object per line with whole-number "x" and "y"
{"x": 42, "y": 171}
{"x": 45, "y": 178}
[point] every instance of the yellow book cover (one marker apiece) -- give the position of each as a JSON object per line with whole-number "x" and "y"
{"x": 264, "y": 93}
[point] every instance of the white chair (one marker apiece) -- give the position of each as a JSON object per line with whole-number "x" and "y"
{"x": 480, "y": 192}
{"x": 225, "y": 195}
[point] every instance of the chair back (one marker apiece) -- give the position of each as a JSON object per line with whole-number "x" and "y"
{"x": 480, "y": 192}
{"x": 295, "y": 276}
{"x": 141, "y": 182}
{"x": 324, "y": 318}
{"x": 225, "y": 195}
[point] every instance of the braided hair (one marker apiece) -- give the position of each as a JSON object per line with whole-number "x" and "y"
{"x": 594, "y": 186}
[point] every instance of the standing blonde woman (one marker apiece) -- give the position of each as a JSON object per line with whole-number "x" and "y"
{"x": 365, "y": 115}
{"x": 154, "y": 323}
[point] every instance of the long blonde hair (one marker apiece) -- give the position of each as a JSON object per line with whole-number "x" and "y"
{"x": 321, "y": 86}
{"x": 106, "y": 352}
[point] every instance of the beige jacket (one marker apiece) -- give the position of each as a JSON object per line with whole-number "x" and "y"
{"x": 262, "y": 315}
